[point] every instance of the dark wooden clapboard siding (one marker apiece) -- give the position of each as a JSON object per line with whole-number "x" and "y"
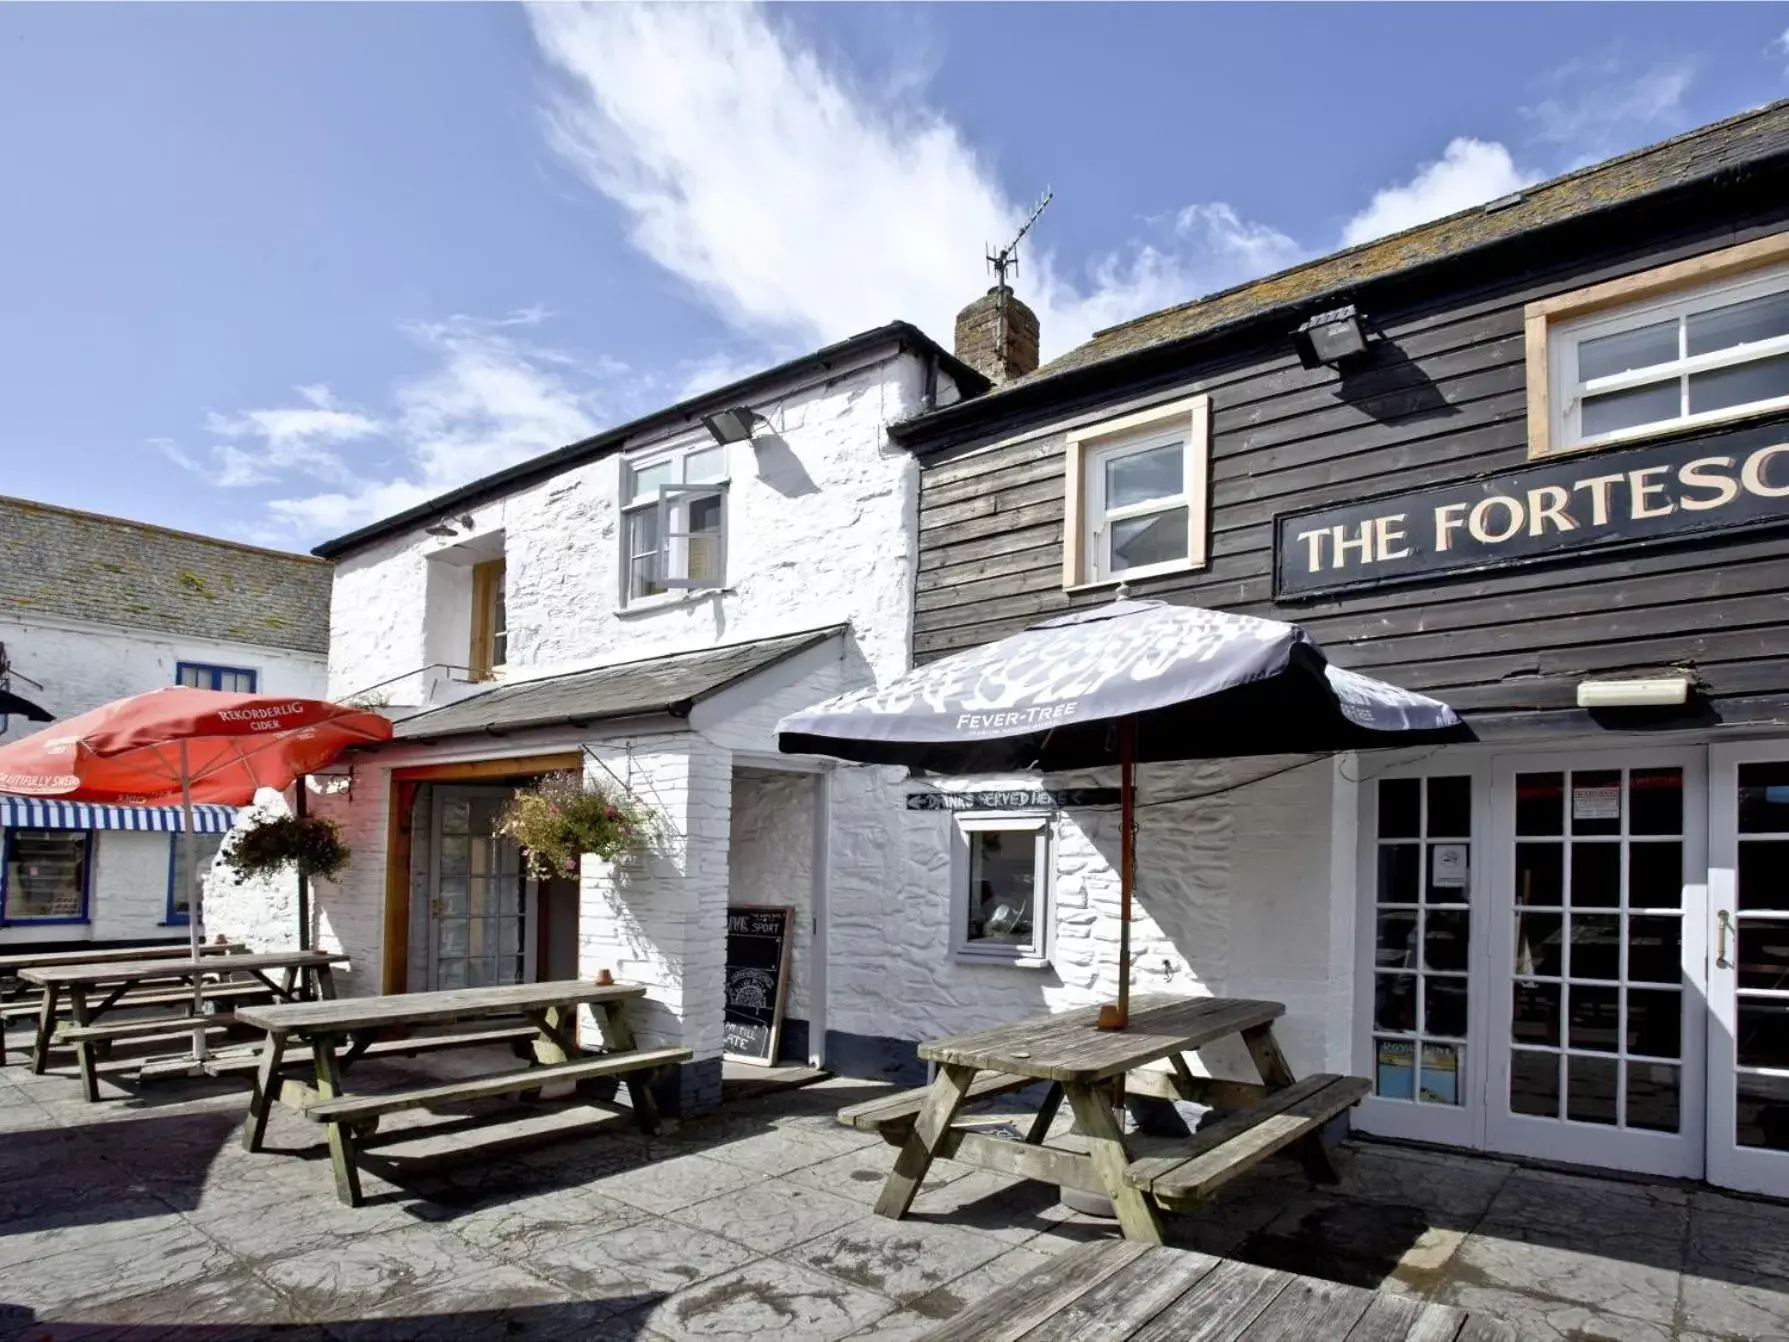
{"x": 1448, "y": 402}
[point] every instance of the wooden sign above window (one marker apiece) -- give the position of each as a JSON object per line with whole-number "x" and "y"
{"x": 1549, "y": 512}
{"x": 1014, "y": 799}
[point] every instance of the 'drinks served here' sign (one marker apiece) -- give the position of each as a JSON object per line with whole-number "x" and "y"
{"x": 1551, "y": 510}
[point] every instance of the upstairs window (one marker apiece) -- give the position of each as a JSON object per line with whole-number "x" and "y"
{"x": 1701, "y": 342}
{"x": 1137, "y": 494}
{"x": 674, "y": 522}
{"x": 490, "y": 631}
{"x": 230, "y": 679}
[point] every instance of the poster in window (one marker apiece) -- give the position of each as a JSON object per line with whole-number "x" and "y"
{"x": 1447, "y": 866}
{"x": 1596, "y": 802}
{"x": 1441, "y": 1074}
{"x": 1396, "y": 1068}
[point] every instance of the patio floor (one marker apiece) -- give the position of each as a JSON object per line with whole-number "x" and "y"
{"x": 142, "y": 1218}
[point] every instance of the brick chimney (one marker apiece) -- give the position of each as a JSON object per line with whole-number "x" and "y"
{"x": 997, "y": 336}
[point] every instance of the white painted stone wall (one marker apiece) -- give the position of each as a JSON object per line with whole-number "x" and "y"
{"x": 1233, "y": 898}
{"x": 82, "y": 666}
{"x": 772, "y": 861}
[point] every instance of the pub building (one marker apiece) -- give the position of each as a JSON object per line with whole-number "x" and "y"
{"x": 1531, "y": 459}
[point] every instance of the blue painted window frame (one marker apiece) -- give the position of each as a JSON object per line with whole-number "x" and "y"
{"x": 86, "y": 915}
{"x": 173, "y": 917}
{"x": 212, "y": 675}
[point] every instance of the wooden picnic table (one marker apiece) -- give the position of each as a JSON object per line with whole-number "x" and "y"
{"x": 299, "y": 971}
{"x": 342, "y": 1031}
{"x": 10, "y": 965}
{"x": 1121, "y": 1291}
{"x": 1089, "y": 1066}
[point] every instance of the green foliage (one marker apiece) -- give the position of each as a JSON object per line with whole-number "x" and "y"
{"x": 563, "y": 817}
{"x": 312, "y": 844}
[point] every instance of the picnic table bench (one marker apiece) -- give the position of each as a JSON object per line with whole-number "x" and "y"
{"x": 339, "y": 1033}
{"x": 122, "y": 984}
{"x": 1122, "y": 1291}
{"x": 1091, "y": 1068}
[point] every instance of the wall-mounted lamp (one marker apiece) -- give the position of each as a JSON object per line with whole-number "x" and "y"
{"x": 1329, "y": 338}
{"x": 733, "y": 425}
{"x": 445, "y": 527}
{"x": 1665, "y": 692}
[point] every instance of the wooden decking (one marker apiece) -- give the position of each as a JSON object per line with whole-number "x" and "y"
{"x": 1126, "y": 1291}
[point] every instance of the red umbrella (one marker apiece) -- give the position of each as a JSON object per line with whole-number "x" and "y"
{"x": 188, "y": 746}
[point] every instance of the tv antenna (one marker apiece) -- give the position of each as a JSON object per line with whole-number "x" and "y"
{"x": 1007, "y": 258}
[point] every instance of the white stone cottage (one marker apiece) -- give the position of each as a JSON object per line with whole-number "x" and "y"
{"x": 640, "y": 608}
{"x": 93, "y": 609}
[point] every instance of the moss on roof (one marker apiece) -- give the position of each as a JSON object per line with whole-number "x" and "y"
{"x": 1746, "y": 138}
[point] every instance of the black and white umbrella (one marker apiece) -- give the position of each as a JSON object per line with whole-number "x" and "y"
{"x": 1135, "y": 681}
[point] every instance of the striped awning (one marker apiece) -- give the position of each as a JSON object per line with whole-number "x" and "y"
{"x": 39, "y": 813}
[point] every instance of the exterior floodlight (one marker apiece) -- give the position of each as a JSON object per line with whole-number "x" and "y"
{"x": 1329, "y": 338}
{"x": 441, "y": 528}
{"x": 1662, "y": 693}
{"x": 731, "y": 426}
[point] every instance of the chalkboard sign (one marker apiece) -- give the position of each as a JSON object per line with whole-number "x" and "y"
{"x": 758, "y": 940}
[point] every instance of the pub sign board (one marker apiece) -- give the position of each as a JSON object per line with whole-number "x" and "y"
{"x": 757, "y": 985}
{"x": 1548, "y": 511}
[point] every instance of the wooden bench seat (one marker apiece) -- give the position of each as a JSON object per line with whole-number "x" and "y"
{"x": 33, "y": 1007}
{"x": 135, "y": 1029}
{"x": 1219, "y": 1153}
{"x": 354, "y": 1109}
{"x": 893, "y": 1115}
{"x": 248, "y": 1062}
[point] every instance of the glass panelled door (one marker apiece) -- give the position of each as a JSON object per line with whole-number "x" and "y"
{"x": 1748, "y": 1033}
{"x": 479, "y": 903}
{"x": 1598, "y": 973}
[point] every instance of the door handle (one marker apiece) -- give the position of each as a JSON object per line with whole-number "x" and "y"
{"x": 434, "y": 908}
{"x": 1723, "y": 928}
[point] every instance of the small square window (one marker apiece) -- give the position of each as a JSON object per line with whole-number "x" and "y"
{"x": 1002, "y": 879}
{"x": 229, "y": 679}
{"x": 1137, "y": 494}
{"x": 674, "y": 523}
{"x": 45, "y": 875}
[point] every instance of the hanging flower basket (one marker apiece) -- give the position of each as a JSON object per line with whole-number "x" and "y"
{"x": 563, "y": 817}
{"x": 312, "y": 844}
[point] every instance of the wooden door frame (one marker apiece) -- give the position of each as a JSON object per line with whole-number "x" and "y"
{"x": 399, "y": 843}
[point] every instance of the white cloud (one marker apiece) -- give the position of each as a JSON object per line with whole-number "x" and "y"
{"x": 1780, "y": 47}
{"x": 493, "y": 397}
{"x": 1599, "y": 108}
{"x": 1469, "y": 172}
{"x": 805, "y": 207}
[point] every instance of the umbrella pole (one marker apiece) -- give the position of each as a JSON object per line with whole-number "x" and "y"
{"x": 194, "y": 901}
{"x": 1118, "y": 1017}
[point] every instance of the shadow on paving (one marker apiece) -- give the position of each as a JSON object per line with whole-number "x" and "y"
{"x": 619, "y": 1319}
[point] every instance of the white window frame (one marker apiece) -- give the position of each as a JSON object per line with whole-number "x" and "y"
{"x": 670, "y": 502}
{"x": 1556, "y": 326}
{"x": 1187, "y": 421}
{"x": 1035, "y": 954}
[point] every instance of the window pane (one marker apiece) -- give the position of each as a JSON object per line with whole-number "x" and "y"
{"x": 1450, "y": 870}
{"x": 1596, "y": 946}
{"x": 1450, "y": 808}
{"x": 1655, "y": 1022}
{"x": 1655, "y": 950}
{"x": 1627, "y": 350}
{"x": 1002, "y": 873}
{"x": 1395, "y": 941}
{"x": 1616, "y": 410}
{"x": 1593, "y": 1018}
{"x": 205, "y": 848}
{"x": 1764, "y": 798}
{"x": 1762, "y": 1117}
{"x": 1764, "y": 874}
{"x": 1157, "y": 539}
{"x": 1400, "y": 869}
{"x": 1400, "y": 807}
{"x": 1444, "y": 939}
{"x": 1441, "y": 1073}
{"x": 1656, "y": 797}
{"x": 648, "y": 479}
{"x": 1763, "y": 954}
{"x": 1140, "y": 476}
{"x": 1538, "y": 938}
{"x": 1394, "y": 1002}
{"x": 194, "y": 678}
{"x": 704, "y": 541}
{"x": 1540, "y": 874}
{"x": 1596, "y": 875}
{"x": 1444, "y": 1008}
{"x": 1535, "y": 1018}
{"x": 1652, "y": 1096}
{"x": 1534, "y": 1083}
{"x": 1723, "y": 388}
{"x": 46, "y": 873}
{"x": 1395, "y": 1072}
{"x": 701, "y": 467}
{"x": 1655, "y": 876}
{"x": 1737, "y": 324}
{"x": 1763, "y": 1033}
{"x": 643, "y": 553}
{"x": 1590, "y": 1089}
{"x": 1540, "y": 803}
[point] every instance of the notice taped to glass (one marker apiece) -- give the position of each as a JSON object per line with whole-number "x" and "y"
{"x": 758, "y": 940}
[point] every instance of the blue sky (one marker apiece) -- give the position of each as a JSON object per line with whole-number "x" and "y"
{"x": 275, "y": 271}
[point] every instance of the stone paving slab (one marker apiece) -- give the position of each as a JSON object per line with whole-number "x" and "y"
{"x": 754, "y": 1223}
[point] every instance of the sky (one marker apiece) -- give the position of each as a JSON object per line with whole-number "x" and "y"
{"x": 272, "y": 272}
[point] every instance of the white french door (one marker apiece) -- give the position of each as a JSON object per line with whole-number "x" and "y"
{"x": 1748, "y": 983}
{"x": 1596, "y": 986}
